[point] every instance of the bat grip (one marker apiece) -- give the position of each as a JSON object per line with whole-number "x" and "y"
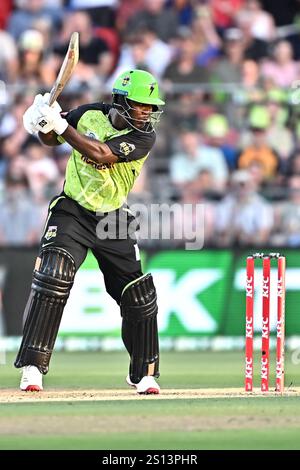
{"x": 51, "y": 98}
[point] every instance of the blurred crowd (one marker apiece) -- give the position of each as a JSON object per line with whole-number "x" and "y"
{"x": 229, "y": 137}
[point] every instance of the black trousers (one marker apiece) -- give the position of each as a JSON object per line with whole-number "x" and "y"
{"x": 110, "y": 237}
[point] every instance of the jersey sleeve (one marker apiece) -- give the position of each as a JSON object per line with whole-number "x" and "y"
{"x": 132, "y": 146}
{"x": 74, "y": 115}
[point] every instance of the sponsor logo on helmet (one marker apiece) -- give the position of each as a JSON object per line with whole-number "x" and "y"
{"x": 126, "y": 148}
{"x": 152, "y": 87}
{"x": 120, "y": 92}
{"x": 126, "y": 81}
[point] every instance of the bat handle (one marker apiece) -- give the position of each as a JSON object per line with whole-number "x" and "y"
{"x": 51, "y": 97}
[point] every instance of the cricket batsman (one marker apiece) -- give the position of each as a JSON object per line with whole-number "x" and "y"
{"x": 110, "y": 145}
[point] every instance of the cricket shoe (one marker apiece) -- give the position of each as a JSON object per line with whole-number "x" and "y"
{"x": 32, "y": 379}
{"x": 146, "y": 386}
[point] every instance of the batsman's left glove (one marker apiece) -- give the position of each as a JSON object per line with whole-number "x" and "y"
{"x": 32, "y": 115}
{"x": 50, "y": 118}
{"x": 41, "y": 117}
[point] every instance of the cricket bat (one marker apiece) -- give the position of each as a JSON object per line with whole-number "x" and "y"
{"x": 66, "y": 69}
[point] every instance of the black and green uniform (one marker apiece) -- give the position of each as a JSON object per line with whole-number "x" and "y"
{"x": 93, "y": 191}
{"x": 104, "y": 187}
{"x": 91, "y": 213}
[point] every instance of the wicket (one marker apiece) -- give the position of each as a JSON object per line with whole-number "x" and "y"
{"x": 265, "y": 343}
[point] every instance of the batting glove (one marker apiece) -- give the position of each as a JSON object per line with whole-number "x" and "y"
{"x": 32, "y": 114}
{"x": 50, "y": 117}
{"x": 50, "y": 120}
{"x": 41, "y": 117}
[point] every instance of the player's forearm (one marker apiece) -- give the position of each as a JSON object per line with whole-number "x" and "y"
{"x": 91, "y": 148}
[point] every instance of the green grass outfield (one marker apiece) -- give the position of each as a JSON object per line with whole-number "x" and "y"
{"x": 229, "y": 422}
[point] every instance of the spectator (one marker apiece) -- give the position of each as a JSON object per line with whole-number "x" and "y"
{"x": 216, "y": 130}
{"x": 282, "y": 70}
{"x": 288, "y": 216}
{"x": 101, "y": 12}
{"x": 224, "y": 12}
{"x": 192, "y": 157}
{"x": 154, "y": 48}
{"x": 296, "y": 130}
{"x": 208, "y": 43}
{"x": 95, "y": 60}
{"x": 243, "y": 217}
{"x": 258, "y": 149}
{"x": 8, "y": 58}
{"x": 229, "y": 68}
{"x": 28, "y": 12}
{"x": 259, "y": 22}
{"x": 44, "y": 27}
{"x": 19, "y": 223}
{"x": 141, "y": 51}
{"x": 31, "y": 66}
{"x": 251, "y": 88}
{"x": 251, "y": 79}
{"x": 126, "y": 9}
{"x": 279, "y": 135}
{"x": 293, "y": 167}
{"x": 255, "y": 48}
{"x": 12, "y": 130}
{"x": 185, "y": 11}
{"x": 184, "y": 69}
{"x": 41, "y": 171}
{"x": 156, "y": 17}
{"x": 11, "y": 122}
{"x": 183, "y": 110}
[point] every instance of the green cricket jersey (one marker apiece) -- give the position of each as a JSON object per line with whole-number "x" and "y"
{"x": 104, "y": 187}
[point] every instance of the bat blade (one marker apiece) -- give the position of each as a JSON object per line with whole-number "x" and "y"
{"x": 67, "y": 68}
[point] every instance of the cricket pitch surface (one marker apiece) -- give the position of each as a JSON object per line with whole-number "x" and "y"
{"x": 17, "y": 396}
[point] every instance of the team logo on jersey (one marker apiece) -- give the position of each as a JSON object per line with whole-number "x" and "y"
{"x": 92, "y": 135}
{"x": 152, "y": 87}
{"x": 51, "y": 232}
{"x": 126, "y": 148}
{"x": 126, "y": 81}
